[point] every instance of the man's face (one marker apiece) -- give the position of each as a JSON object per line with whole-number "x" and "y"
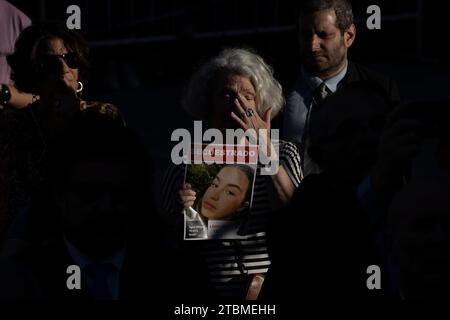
{"x": 323, "y": 47}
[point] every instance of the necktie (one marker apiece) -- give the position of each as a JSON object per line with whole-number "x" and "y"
{"x": 319, "y": 94}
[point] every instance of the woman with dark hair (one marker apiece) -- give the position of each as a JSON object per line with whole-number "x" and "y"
{"x": 50, "y": 63}
{"x": 23, "y": 92}
{"x": 36, "y": 56}
{"x": 222, "y": 209}
{"x": 49, "y": 58}
{"x": 229, "y": 194}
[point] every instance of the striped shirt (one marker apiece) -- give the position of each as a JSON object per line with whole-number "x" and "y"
{"x": 230, "y": 262}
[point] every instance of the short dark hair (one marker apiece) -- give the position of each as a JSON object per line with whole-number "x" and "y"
{"x": 23, "y": 62}
{"x": 342, "y": 9}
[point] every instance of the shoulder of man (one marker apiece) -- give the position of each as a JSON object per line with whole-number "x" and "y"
{"x": 293, "y": 96}
{"x": 356, "y": 72}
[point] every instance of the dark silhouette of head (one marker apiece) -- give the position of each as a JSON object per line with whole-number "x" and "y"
{"x": 99, "y": 181}
{"x": 418, "y": 238}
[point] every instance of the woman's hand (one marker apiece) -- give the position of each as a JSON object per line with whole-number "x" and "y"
{"x": 248, "y": 118}
{"x": 58, "y": 97}
{"x": 54, "y": 86}
{"x": 187, "y": 196}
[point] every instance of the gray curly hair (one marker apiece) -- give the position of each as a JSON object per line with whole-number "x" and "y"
{"x": 196, "y": 99}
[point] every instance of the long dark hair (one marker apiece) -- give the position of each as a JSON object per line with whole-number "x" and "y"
{"x": 249, "y": 173}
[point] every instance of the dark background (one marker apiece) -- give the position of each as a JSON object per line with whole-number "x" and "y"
{"x": 144, "y": 51}
{"x": 168, "y": 39}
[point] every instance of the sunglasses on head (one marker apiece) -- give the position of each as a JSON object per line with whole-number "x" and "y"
{"x": 53, "y": 61}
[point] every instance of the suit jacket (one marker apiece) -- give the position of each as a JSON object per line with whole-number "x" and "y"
{"x": 296, "y": 111}
{"x": 357, "y": 72}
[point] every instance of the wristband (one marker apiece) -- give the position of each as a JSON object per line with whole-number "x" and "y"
{"x": 5, "y": 95}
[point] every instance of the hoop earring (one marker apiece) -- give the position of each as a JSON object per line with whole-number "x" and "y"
{"x": 80, "y": 87}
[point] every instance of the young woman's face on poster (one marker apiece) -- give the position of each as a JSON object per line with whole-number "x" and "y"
{"x": 225, "y": 197}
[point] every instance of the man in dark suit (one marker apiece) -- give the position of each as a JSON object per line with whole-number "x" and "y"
{"x": 324, "y": 221}
{"x": 326, "y": 32}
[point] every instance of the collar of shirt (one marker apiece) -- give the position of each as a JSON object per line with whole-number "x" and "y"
{"x": 82, "y": 260}
{"x": 332, "y": 83}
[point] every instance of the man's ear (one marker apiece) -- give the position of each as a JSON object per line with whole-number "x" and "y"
{"x": 349, "y": 36}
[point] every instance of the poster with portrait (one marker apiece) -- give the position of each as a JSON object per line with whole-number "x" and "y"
{"x": 223, "y": 182}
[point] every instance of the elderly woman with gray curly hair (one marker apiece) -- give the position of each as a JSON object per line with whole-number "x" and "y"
{"x": 237, "y": 89}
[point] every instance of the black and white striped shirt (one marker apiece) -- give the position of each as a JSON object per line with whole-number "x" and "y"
{"x": 231, "y": 261}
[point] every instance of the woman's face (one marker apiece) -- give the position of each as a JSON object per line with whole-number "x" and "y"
{"x": 226, "y": 195}
{"x": 226, "y": 87}
{"x": 69, "y": 74}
